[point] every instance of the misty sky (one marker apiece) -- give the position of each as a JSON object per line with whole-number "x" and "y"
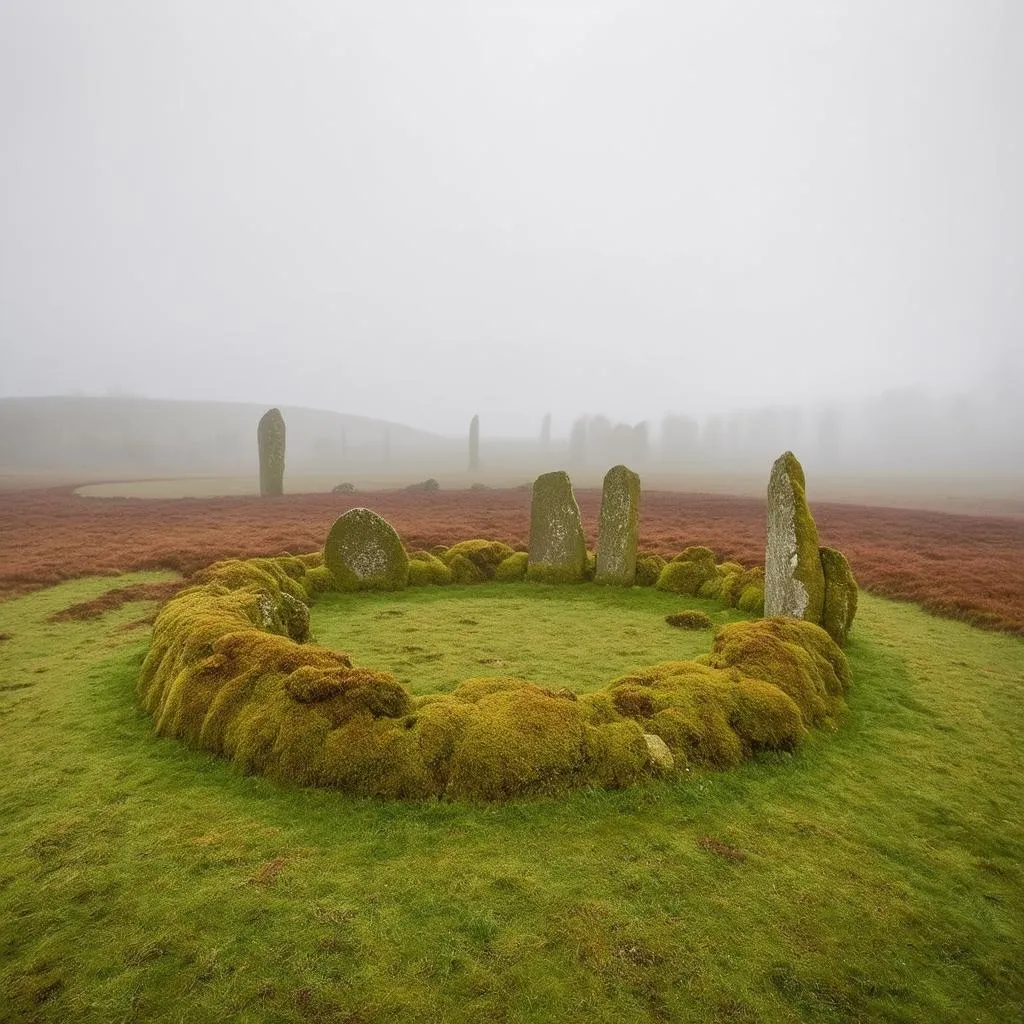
{"x": 425, "y": 210}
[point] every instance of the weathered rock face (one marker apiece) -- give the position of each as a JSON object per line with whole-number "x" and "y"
{"x": 363, "y": 552}
{"x": 618, "y": 527}
{"x": 558, "y": 551}
{"x": 270, "y": 438}
{"x": 840, "y": 595}
{"x": 794, "y": 580}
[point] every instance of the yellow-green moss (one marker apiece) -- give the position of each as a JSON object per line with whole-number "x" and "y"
{"x": 685, "y": 577}
{"x": 512, "y": 568}
{"x": 486, "y": 555}
{"x": 689, "y": 620}
{"x": 648, "y": 569}
{"x": 464, "y": 570}
{"x": 426, "y": 569}
{"x": 752, "y": 599}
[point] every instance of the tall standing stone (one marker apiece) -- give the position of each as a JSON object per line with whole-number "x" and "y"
{"x": 618, "y": 527}
{"x": 270, "y": 439}
{"x": 363, "y": 552}
{"x": 794, "y": 582}
{"x": 558, "y": 551}
{"x": 474, "y": 444}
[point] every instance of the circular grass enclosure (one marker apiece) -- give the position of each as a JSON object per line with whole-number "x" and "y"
{"x": 231, "y": 670}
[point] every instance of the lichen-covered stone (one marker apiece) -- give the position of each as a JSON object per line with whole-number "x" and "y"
{"x": 618, "y": 527}
{"x": 794, "y": 580}
{"x": 558, "y": 550}
{"x": 840, "y": 595}
{"x": 270, "y": 439}
{"x": 661, "y": 755}
{"x": 363, "y": 552}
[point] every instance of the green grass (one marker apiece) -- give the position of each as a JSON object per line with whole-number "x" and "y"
{"x": 873, "y": 876}
{"x": 582, "y": 637}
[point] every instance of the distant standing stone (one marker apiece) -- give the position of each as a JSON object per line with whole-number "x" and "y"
{"x": 363, "y": 552}
{"x": 270, "y": 439}
{"x": 558, "y": 551}
{"x": 794, "y": 580}
{"x": 618, "y": 527}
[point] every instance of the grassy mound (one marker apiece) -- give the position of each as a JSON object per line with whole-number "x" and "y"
{"x": 228, "y": 672}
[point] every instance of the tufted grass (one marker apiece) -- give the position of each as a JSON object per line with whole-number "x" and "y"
{"x": 874, "y": 876}
{"x": 582, "y": 636}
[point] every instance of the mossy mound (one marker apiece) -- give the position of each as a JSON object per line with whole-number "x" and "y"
{"x": 426, "y": 569}
{"x": 227, "y": 673}
{"x": 486, "y": 555}
{"x": 513, "y": 568}
{"x": 689, "y": 620}
{"x": 648, "y": 569}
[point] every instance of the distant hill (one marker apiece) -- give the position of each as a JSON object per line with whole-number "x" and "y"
{"x": 140, "y": 436}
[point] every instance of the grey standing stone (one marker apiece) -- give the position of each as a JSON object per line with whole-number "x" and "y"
{"x": 794, "y": 581}
{"x": 618, "y": 527}
{"x": 363, "y": 552}
{"x": 840, "y": 595}
{"x": 270, "y": 439}
{"x": 558, "y": 551}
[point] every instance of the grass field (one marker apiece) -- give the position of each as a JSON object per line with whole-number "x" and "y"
{"x": 873, "y": 876}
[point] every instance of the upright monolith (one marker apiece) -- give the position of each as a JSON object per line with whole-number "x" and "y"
{"x": 618, "y": 527}
{"x": 794, "y": 582}
{"x": 363, "y": 552}
{"x": 840, "y": 595}
{"x": 474, "y": 444}
{"x": 558, "y": 551}
{"x": 270, "y": 438}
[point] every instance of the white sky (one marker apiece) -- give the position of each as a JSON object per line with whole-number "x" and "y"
{"x": 425, "y": 210}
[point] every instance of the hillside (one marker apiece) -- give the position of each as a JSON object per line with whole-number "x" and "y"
{"x": 140, "y": 436}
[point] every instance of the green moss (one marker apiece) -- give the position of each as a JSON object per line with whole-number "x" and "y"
{"x": 752, "y": 599}
{"x": 426, "y": 569}
{"x": 363, "y": 552}
{"x": 840, "y": 604}
{"x": 512, "y": 568}
{"x": 700, "y": 555}
{"x": 648, "y": 569}
{"x": 464, "y": 570}
{"x": 798, "y": 657}
{"x": 270, "y": 438}
{"x": 685, "y": 577}
{"x": 710, "y": 588}
{"x": 486, "y": 555}
{"x": 689, "y": 620}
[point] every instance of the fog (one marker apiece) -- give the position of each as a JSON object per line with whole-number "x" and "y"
{"x": 770, "y": 221}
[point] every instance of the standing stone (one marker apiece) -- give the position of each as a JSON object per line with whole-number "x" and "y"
{"x": 270, "y": 438}
{"x": 794, "y": 580}
{"x": 474, "y": 444}
{"x": 558, "y": 551}
{"x": 363, "y": 552}
{"x": 840, "y": 595}
{"x": 618, "y": 527}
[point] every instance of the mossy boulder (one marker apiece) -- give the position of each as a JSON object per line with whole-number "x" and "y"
{"x": 465, "y": 570}
{"x": 558, "y": 550}
{"x": 794, "y": 579}
{"x": 363, "y": 552}
{"x": 270, "y": 439}
{"x": 486, "y": 555}
{"x": 513, "y": 568}
{"x": 648, "y": 569}
{"x": 618, "y": 528}
{"x": 840, "y": 605}
{"x": 426, "y": 569}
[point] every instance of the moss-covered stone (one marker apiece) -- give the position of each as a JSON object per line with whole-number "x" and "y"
{"x": 648, "y": 569}
{"x": 689, "y": 620}
{"x": 426, "y": 569}
{"x": 685, "y": 577}
{"x": 486, "y": 555}
{"x": 618, "y": 528}
{"x": 794, "y": 580}
{"x": 465, "y": 570}
{"x": 363, "y": 552}
{"x": 513, "y": 568}
{"x": 840, "y": 605}
{"x": 270, "y": 437}
{"x": 558, "y": 550}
